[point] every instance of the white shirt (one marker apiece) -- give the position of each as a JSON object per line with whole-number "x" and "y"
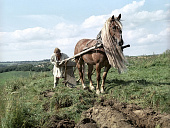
{"x": 58, "y": 71}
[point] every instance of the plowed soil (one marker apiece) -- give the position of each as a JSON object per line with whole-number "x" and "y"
{"x": 113, "y": 114}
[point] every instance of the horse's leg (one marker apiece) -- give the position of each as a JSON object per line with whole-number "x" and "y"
{"x": 98, "y": 69}
{"x": 104, "y": 77}
{"x": 80, "y": 68}
{"x": 90, "y": 69}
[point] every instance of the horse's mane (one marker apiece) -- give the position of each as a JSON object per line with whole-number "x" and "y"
{"x": 112, "y": 49}
{"x": 105, "y": 34}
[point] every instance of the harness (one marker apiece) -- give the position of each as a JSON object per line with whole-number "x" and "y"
{"x": 99, "y": 40}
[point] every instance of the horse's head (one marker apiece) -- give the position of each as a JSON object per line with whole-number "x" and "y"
{"x": 115, "y": 29}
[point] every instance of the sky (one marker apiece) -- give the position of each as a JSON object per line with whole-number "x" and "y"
{"x": 31, "y": 29}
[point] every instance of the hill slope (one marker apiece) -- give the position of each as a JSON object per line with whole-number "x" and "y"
{"x": 30, "y": 101}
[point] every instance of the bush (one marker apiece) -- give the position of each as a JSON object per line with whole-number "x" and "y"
{"x": 26, "y": 67}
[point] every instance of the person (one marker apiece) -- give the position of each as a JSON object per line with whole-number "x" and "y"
{"x": 58, "y": 70}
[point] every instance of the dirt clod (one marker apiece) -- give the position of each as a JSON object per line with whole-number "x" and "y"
{"x": 87, "y": 123}
{"x": 48, "y": 93}
{"x": 112, "y": 114}
{"x": 106, "y": 117}
{"x": 66, "y": 124}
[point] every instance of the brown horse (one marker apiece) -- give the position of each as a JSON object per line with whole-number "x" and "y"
{"x": 112, "y": 32}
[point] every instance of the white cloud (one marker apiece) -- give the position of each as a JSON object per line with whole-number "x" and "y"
{"x": 130, "y": 8}
{"x": 94, "y": 21}
{"x": 135, "y": 34}
{"x": 131, "y": 16}
{"x": 64, "y": 30}
{"x": 138, "y": 31}
{"x": 167, "y": 5}
{"x": 150, "y": 37}
{"x": 166, "y": 32}
{"x": 36, "y": 33}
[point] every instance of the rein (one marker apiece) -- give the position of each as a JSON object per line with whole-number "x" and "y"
{"x": 99, "y": 40}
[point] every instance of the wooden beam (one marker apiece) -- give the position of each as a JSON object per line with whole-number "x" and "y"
{"x": 79, "y": 54}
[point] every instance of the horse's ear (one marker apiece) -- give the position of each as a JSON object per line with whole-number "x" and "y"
{"x": 113, "y": 18}
{"x": 119, "y": 17}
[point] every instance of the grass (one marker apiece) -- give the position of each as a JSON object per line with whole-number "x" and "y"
{"x": 7, "y": 76}
{"x": 146, "y": 83}
{"x": 24, "y": 102}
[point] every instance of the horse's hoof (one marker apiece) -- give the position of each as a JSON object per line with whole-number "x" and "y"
{"x": 85, "y": 87}
{"x": 92, "y": 88}
{"x": 102, "y": 90}
{"x": 97, "y": 92}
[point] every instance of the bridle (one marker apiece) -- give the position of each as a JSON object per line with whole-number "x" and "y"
{"x": 119, "y": 26}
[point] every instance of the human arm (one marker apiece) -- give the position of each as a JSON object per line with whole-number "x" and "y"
{"x": 53, "y": 60}
{"x": 64, "y": 57}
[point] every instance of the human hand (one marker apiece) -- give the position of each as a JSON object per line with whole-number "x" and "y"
{"x": 62, "y": 62}
{"x": 57, "y": 63}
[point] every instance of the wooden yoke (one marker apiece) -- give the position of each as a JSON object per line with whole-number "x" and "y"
{"x": 81, "y": 53}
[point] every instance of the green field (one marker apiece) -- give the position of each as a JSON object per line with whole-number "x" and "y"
{"x": 24, "y": 102}
{"x": 8, "y": 76}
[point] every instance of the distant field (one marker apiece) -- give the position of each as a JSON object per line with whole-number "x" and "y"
{"x": 13, "y": 75}
{"x": 8, "y": 63}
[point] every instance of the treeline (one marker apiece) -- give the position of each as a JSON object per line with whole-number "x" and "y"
{"x": 27, "y": 67}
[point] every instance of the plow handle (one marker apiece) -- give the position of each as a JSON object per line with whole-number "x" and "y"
{"x": 126, "y": 46}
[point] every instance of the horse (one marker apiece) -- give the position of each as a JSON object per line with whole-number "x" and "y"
{"x": 112, "y": 33}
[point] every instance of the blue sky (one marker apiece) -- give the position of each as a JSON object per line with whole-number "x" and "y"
{"x": 31, "y": 29}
